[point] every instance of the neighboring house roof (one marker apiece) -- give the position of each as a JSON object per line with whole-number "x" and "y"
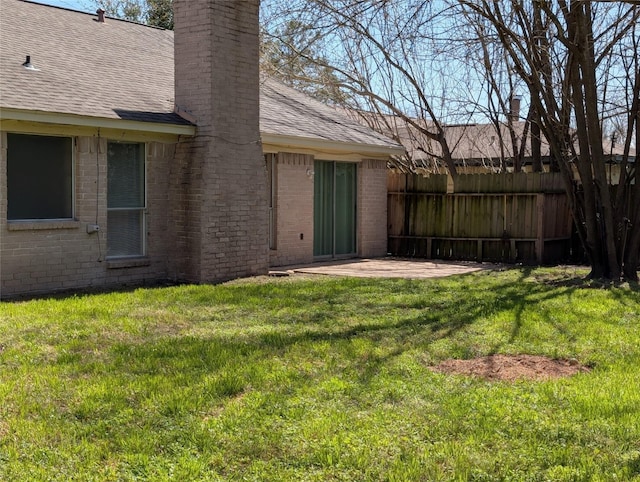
{"x": 484, "y": 143}
{"x": 470, "y": 144}
{"x": 123, "y": 71}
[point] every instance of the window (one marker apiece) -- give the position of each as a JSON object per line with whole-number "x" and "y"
{"x": 39, "y": 177}
{"x": 126, "y": 199}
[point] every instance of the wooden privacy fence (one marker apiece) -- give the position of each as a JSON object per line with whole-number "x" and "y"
{"x": 519, "y": 217}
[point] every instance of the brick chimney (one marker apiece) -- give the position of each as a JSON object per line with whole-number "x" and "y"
{"x": 219, "y": 192}
{"x": 514, "y": 108}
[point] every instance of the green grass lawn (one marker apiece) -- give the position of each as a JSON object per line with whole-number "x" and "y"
{"x": 321, "y": 379}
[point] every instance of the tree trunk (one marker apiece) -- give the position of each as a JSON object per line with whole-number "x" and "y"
{"x": 536, "y": 142}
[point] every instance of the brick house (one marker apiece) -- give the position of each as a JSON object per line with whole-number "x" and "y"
{"x": 131, "y": 154}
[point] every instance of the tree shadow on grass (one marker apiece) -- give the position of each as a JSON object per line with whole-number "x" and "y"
{"x": 543, "y": 290}
{"x": 633, "y": 466}
{"x": 431, "y": 315}
{"x": 440, "y": 317}
{"x": 216, "y": 367}
{"x": 629, "y": 297}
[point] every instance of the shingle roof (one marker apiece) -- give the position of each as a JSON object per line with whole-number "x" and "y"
{"x": 480, "y": 142}
{"x": 124, "y": 70}
{"x": 285, "y": 111}
{"x": 112, "y": 70}
{"x": 469, "y": 143}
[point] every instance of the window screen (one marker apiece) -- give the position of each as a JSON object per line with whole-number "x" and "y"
{"x": 126, "y": 201}
{"x": 39, "y": 177}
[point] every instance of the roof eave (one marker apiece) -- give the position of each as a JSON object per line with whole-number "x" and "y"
{"x": 331, "y": 145}
{"x": 95, "y": 122}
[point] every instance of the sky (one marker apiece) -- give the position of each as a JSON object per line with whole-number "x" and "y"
{"x": 82, "y": 5}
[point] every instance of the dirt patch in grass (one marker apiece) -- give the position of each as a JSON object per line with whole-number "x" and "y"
{"x": 512, "y": 367}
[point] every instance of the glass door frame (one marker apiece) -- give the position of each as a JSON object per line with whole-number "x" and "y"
{"x": 334, "y": 204}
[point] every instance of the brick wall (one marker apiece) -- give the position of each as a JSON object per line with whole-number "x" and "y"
{"x": 294, "y": 210}
{"x": 50, "y": 256}
{"x": 219, "y": 192}
{"x": 59, "y": 255}
{"x": 372, "y": 208}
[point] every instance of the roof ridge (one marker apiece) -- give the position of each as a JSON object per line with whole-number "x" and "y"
{"x": 68, "y": 9}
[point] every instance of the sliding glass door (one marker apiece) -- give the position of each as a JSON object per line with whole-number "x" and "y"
{"x": 334, "y": 209}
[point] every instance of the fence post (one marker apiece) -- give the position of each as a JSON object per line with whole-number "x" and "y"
{"x": 540, "y": 201}
{"x": 451, "y": 185}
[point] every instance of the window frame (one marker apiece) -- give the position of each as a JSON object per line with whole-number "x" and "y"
{"x": 272, "y": 189}
{"x": 34, "y": 222}
{"x": 143, "y": 210}
{"x": 332, "y": 211}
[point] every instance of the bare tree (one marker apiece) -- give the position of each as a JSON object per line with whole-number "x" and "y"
{"x": 374, "y": 52}
{"x": 577, "y": 70}
{"x": 291, "y": 54}
{"x": 494, "y": 73}
{"x": 411, "y": 62}
{"x": 413, "y": 69}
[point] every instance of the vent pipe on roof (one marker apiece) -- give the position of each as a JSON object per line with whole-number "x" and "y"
{"x": 100, "y": 13}
{"x": 28, "y": 65}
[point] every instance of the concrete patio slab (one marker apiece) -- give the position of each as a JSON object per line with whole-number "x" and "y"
{"x": 387, "y": 268}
